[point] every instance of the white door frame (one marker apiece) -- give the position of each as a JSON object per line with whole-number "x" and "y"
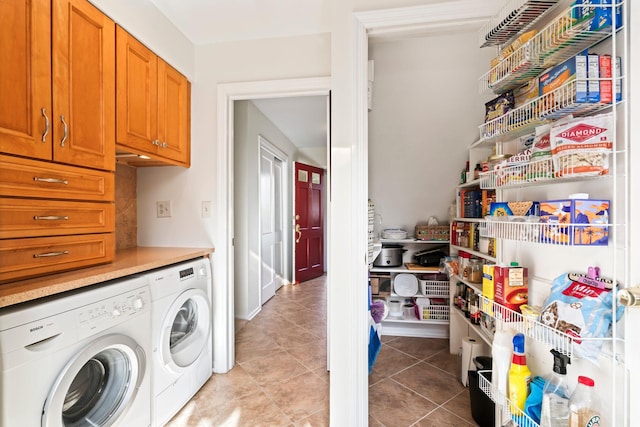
{"x": 449, "y": 15}
{"x": 228, "y": 93}
{"x": 265, "y": 144}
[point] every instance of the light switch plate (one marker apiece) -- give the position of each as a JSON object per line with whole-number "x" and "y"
{"x": 206, "y": 209}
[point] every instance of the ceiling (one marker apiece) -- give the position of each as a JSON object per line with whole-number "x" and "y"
{"x": 302, "y": 119}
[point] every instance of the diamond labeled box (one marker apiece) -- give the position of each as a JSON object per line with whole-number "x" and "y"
{"x": 581, "y": 222}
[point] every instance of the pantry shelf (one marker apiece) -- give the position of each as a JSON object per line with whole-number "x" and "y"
{"x": 553, "y": 105}
{"x": 529, "y": 174}
{"x": 530, "y": 327}
{"x": 529, "y": 229}
{"x": 475, "y": 253}
{"x": 515, "y": 17}
{"x": 492, "y": 392}
{"x": 484, "y": 336}
{"x": 562, "y": 39}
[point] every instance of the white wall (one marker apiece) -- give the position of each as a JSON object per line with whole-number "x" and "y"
{"x": 145, "y": 22}
{"x": 248, "y": 125}
{"x": 426, "y": 111}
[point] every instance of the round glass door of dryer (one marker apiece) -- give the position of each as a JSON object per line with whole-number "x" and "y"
{"x": 186, "y": 329}
{"x": 97, "y": 385}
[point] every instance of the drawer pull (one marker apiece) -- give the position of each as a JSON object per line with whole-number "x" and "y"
{"x": 46, "y": 125}
{"x": 49, "y": 254}
{"x": 50, "y": 218}
{"x": 51, "y": 180}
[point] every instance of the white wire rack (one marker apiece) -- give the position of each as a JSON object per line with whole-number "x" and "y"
{"x": 509, "y": 410}
{"x": 513, "y": 17}
{"x": 529, "y": 327}
{"x": 537, "y": 171}
{"x": 562, "y": 39}
{"x": 524, "y": 119}
{"x": 530, "y": 229}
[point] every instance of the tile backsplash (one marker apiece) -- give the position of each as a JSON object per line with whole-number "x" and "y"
{"x": 126, "y": 207}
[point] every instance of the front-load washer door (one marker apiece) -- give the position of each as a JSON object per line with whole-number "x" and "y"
{"x": 185, "y": 331}
{"x": 98, "y": 385}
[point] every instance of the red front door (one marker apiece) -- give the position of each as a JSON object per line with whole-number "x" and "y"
{"x": 309, "y": 220}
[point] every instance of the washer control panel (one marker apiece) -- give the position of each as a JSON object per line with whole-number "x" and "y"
{"x": 107, "y": 313}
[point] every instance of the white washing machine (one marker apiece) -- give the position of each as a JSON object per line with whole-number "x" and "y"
{"x": 78, "y": 359}
{"x": 181, "y": 335}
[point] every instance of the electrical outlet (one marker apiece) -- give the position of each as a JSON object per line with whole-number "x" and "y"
{"x": 206, "y": 209}
{"x": 163, "y": 209}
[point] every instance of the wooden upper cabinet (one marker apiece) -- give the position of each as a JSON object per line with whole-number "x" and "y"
{"x": 25, "y": 78}
{"x": 173, "y": 114}
{"x": 137, "y": 93}
{"x": 57, "y": 97}
{"x": 153, "y": 105}
{"x": 84, "y": 85}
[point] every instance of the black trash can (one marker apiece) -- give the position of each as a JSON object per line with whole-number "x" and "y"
{"x": 482, "y": 407}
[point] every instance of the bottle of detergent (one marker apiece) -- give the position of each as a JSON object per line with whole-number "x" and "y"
{"x": 519, "y": 376}
{"x": 555, "y": 394}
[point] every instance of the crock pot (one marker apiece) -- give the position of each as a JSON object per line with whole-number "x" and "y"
{"x": 390, "y": 256}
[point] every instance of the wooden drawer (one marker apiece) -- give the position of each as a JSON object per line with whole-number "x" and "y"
{"x": 32, "y": 178}
{"x": 22, "y": 258}
{"x": 36, "y": 218}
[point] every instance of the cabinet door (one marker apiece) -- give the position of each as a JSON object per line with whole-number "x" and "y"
{"x": 173, "y": 114}
{"x": 137, "y": 94}
{"x": 25, "y": 78}
{"x": 84, "y": 85}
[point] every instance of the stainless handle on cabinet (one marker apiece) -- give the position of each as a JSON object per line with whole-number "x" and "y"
{"x": 66, "y": 130}
{"x": 46, "y": 125}
{"x": 50, "y": 218}
{"x": 163, "y": 145}
{"x": 51, "y": 180}
{"x": 48, "y": 254}
{"x": 155, "y": 142}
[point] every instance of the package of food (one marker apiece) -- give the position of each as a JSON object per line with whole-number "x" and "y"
{"x": 540, "y": 165}
{"x": 526, "y": 93}
{"x": 580, "y": 311}
{"x": 582, "y": 146}
{"x": 499, "y": 106}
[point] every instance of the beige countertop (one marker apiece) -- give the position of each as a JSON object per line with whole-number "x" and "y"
{"x": 127, "y": 262}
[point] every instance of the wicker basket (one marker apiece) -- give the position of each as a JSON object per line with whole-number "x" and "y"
{"x": 432, "y": 232}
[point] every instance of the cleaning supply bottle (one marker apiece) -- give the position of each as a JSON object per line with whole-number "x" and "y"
{"x": 555, "y": 394}
{"x": 583, "y": 410}
{"x": 519, "y": 376}
{"x": 501, "y": 353}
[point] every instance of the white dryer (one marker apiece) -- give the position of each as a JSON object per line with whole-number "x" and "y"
{"x": 79, "y": 359}
{"x": 181, "y": 335}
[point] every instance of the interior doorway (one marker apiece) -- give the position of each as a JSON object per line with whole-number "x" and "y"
{"x": 224, "y": 314}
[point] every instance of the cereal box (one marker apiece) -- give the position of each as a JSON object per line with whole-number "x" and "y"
{"x": 581, "y": 222}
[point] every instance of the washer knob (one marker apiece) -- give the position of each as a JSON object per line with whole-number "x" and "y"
{"x": 138, "y": 303}
{"x": 115, "y": 312}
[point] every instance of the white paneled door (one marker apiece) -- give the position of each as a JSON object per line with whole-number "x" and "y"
{"x": 272, "y": 274}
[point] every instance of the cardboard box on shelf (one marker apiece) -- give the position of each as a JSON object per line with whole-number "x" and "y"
{"x": 582, "y": 222}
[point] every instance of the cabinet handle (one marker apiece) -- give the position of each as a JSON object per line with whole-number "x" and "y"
{"x": 50, "y": 218}
{"x": 46, "y": 125}
{"x": 51, "y": 180}
{"x": 49, "y": 254}
{"x": 163, "y": 145}
{"x": 155, "y": 142}
{"x": 66, "y": 130}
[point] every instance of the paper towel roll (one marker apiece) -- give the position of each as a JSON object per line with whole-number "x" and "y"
{"x": 470, "y": 349}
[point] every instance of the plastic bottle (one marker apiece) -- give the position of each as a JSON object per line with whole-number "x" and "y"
{"x": 501, "y": 352}
{"x": 583, "y": 410}
{"x": 519, "y": 376}
{"x": 555, "y": 394}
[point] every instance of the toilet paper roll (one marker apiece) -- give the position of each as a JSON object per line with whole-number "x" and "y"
{"x": 470, "y": 349}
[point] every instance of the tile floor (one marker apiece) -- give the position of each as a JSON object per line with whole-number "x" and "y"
{"x": 280, "y": 376}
